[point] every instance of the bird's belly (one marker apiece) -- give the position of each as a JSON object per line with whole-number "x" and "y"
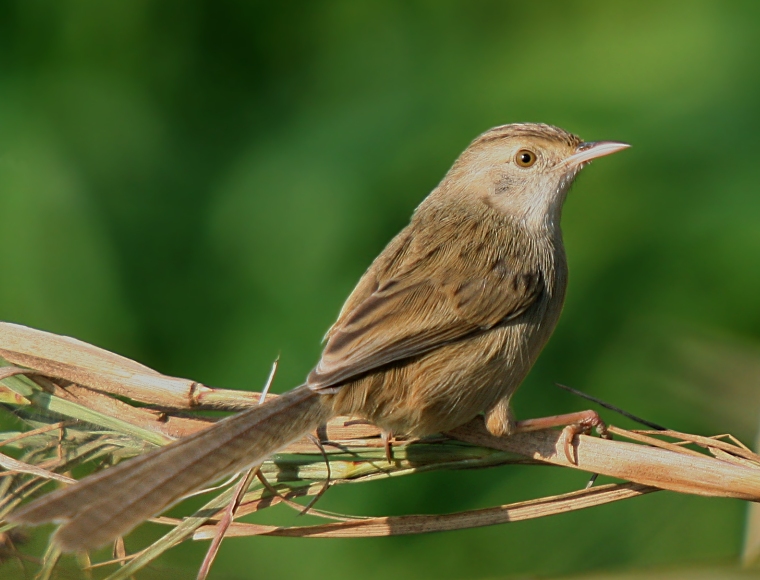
{"x": 446, "y": 388}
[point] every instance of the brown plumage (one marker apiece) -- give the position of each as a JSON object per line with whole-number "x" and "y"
{"x": 444, "y": 325}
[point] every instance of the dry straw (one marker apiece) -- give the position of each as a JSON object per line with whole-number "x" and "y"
{"x": 84, "y": 405}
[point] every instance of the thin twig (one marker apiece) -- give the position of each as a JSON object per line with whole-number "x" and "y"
{"x": 224, "y": 523}
{"x": 25, "y": 434}
{"x": 270, "y": 380}
{"x": 328, "y": 479}
{"x": 611, "y": 407}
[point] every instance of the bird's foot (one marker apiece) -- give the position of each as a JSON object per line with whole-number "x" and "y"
{"x": 580, "y": 423}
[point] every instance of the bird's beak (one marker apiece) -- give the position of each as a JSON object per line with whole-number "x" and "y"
{"x": 589, "y": 151}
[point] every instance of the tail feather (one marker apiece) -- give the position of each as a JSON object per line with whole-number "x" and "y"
{"x": 112, "y": 502}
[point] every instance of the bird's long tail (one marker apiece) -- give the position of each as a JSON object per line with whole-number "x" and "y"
{"x": 110, "y": 503}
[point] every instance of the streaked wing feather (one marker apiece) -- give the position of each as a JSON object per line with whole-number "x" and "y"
{"x": 422, "y": 306}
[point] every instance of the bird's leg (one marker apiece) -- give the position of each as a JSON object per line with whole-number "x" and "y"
{"x": 387, "y": 437}
{"x": 500, "y": 420}
{"x": 581, "y": 422}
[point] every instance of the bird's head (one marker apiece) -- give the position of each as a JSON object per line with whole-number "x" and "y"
{"x": 523, "y": 170}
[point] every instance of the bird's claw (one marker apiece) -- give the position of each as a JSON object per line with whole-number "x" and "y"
{"x": 583, "y": 427}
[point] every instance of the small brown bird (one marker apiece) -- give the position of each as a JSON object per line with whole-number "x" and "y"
{"x": 444, "y": 325}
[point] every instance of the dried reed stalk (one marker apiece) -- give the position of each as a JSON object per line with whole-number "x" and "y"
{"x": 72, "y": 397}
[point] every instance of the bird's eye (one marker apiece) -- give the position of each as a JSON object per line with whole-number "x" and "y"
{"x": 525, "y": 158}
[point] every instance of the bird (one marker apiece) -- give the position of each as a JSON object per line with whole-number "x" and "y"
{"x": 443, "y": 327}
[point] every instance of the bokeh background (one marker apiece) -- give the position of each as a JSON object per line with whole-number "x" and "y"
{"x": 199, "y": 184}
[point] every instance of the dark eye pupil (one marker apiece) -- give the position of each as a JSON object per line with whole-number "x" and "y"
{"x": 525, "y": 157}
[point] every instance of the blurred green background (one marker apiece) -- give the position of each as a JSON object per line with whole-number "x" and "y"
{"x": 199, "y": 184}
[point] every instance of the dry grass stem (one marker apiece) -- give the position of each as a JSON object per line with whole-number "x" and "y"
{"x": 84, "y": 406}
{"x": 420, "y": 524}
{"x": 673, "y": 469}
{"x": 751, "y": 548}
{"x": 15, "y": 466}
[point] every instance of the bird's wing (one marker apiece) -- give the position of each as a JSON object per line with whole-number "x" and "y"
{"x": 429, "y": 294}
